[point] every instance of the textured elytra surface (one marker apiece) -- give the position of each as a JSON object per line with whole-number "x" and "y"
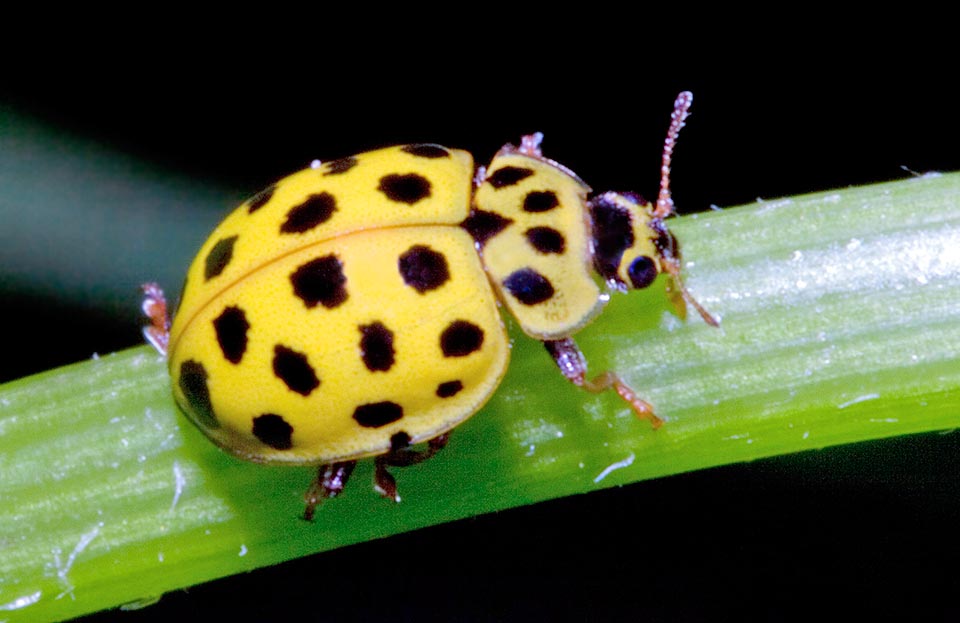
{"x": 340, "y": 308}
{"x": 299, "y": 381}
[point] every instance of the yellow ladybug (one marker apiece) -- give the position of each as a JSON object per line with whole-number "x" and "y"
{"x": 352, "y": 309}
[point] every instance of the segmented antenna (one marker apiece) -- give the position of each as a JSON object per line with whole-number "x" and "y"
{"x": 681, "y": 110}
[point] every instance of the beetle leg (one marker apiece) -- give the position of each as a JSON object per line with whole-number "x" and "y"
{"x": 330, "y": 481}
{"x": 402, "y": 455}
{"x": 383, "y": 481}
{"x": 573, "y": 365}
{"x": 154, "y": 307}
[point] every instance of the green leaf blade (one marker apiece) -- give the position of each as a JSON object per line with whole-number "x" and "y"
{"x": 838, "y": 325}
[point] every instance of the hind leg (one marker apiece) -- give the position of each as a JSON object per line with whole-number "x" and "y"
{"x": 331, "y": 479}
{"x": 154, "y": 307}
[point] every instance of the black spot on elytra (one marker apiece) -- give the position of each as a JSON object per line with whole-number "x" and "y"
{"x": 320, "y": 281}
{"x": 377, "y": 414}
{"x": 545, "y": 239}
{"x": 231, "y": 328}
{"x": 292, "y": 368}
{"x": 461, "y": 338}
{"x": 508, "y": 176}
{"x": 426, "y": 150}
{"x": 612, "y": 235}
{"x": 260, "y": 199}
{"x": 218, "y": 257}
{"x": 448, "y": 389}
{"x": 193, "y": 384}
{"x": 408, "y": 188}
{"x": 336, "y": 167}
{"x": 528, "y": 286}
{"x": 423, "y": 269}
{"x": 483, "y": 225}
{"x": 642, "y": 272}
{"x": 540, "y": 201}
{"x": 273, "y": 431}
{"x": 316, "y": 210}
{"x": 376, "y": 347}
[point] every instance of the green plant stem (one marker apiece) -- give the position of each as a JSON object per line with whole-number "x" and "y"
{"x": 838, "y": 325}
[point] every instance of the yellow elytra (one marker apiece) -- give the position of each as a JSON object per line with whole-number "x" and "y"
{"x": 351, "y": 309}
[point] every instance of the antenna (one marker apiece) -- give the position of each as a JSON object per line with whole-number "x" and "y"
{"x": 681, "y": 110}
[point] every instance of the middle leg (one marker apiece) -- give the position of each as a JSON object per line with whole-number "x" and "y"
{"x": 401, "y": 455}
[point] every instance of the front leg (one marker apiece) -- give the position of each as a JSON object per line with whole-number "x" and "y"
{"x": 573, "y": 365}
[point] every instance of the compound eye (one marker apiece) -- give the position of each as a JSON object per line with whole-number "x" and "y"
{"x": 642, "y": 272}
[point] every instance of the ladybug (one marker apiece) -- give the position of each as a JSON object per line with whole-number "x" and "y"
{"x": 352, "y": 309}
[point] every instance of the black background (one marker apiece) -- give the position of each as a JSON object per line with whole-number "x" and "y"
{"x": 790, "y": 110}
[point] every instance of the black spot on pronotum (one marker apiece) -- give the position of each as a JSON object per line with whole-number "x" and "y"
{"x": 294, "y": 370}
{"x": 461, "y": 338}
{"x": 483, "y": 225}
{"x": 448, "y": 389}
{"x": 320, "y": 281}
{"x": 546, "y": 239}
{"x": 231, "y": 328}
{"x": 540, "y": 201}
{"x": 528, "y": 286}
{"x": 423, "y": 269}
{"x": 337, "y": 167}
{"x": 426, "y": 150}
{"x": 408, "y": 188}
{"x": 218, "y": 257}
{"x": 376, "y": 347}
{"x": 315, "y": 210}
{"x": 642, "y": 272}
{"x": 260, "y": 199}
{"x": 508, "y": 176}
{"x": 377, "y": 414}
{"x": 193, "y": 384}
{"x": 273, "y": 431}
